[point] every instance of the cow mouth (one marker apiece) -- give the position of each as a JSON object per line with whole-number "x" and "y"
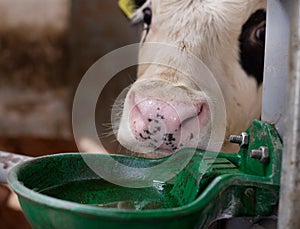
{"x": 188, "y": 133}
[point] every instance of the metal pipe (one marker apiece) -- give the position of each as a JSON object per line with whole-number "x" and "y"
{"x": 289, "y": 206}
{"x": 276, "y": 64}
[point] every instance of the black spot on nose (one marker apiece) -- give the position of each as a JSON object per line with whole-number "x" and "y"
{"x": 160, "y": 116}
{"x": 139, "y": 2}
{"x": 191, "y": 136}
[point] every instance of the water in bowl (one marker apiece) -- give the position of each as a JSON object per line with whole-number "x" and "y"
{"x": 103, "y": 194}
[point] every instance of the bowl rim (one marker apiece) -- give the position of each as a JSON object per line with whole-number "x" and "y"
{"x": 207, "y": 197}
{"x": 41, "y": 199}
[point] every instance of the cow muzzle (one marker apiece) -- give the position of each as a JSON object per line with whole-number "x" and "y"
{"x": 165, "y": 125}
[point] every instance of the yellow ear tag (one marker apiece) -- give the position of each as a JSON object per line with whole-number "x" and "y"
{"x": 128, "y": 7}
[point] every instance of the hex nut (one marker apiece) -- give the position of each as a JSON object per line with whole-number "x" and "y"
{"x": 245, "y": 139}
{"x": 242, "y": 139}
{"x": 265, "y": 156}
{"x": 261, "y": 154}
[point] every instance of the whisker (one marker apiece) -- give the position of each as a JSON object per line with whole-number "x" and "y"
{"x": 131, "y": 77}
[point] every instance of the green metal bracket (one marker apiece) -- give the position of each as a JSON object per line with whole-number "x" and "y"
{"x": 244, "y": 186}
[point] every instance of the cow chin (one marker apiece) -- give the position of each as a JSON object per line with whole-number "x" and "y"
{"x": 160, "y": 118}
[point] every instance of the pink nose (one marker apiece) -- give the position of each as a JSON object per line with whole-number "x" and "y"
{"x": 165, "y": 125}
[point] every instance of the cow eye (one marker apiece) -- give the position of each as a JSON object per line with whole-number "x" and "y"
{"x": 252, "y": 45}
{"x": 147, "y": 16}
{"x": 260, "y": 33}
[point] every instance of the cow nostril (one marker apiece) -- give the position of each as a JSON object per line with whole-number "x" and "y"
{"x": 203, "y": 114}
{"x": 200, "y": 110}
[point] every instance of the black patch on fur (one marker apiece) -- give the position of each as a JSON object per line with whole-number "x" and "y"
{"x": 139, "y": 3}
{"x": 147, "y": 16}
{"x": 252, "y": 52}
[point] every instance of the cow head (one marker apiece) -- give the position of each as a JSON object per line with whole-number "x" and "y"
{"x": 166, "y": 110}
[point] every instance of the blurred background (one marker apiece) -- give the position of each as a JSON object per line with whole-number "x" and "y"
{"x": 45, "y": 49}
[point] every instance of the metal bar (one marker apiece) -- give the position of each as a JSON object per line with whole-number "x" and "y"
{"x": 289, "y": 206}
{"x": 276, "y": 64}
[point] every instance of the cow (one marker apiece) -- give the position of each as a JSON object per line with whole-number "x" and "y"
{"x": 164, "y": 111}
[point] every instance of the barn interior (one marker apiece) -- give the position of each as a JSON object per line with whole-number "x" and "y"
{"x": 45, "y": 49}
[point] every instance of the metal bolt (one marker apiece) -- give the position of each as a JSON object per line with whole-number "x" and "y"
{"x": 261, "y": 154}
{"x": 242, "y": 139}
{"x": 249, "y": 192}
